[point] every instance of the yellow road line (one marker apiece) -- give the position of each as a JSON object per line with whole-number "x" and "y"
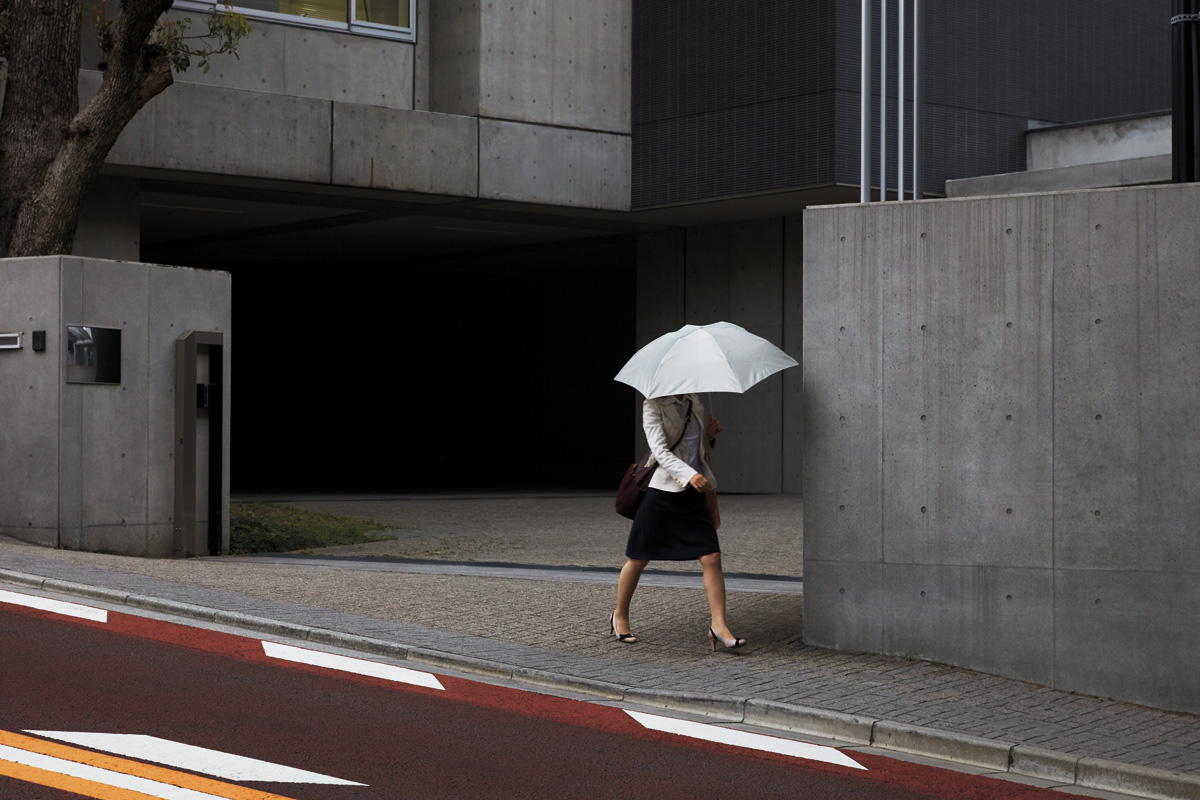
{"x": 68, "y": 783}
{"x": 116, "y": 764}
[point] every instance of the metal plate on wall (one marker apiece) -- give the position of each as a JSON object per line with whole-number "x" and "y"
{"x": 93, "y": 354}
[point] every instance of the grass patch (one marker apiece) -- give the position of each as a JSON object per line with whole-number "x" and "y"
{"x": 273, "y": 528}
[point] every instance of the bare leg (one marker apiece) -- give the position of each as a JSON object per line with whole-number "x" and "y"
{"x": 714, "y": 587}
{"x": 626, "y": 585}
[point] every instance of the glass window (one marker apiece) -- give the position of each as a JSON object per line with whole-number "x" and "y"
{"x": 390, "y": 18}
{"x": 393, "y": 13}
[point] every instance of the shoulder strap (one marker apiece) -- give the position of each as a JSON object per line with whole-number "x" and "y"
{"x": 687, "y": 418}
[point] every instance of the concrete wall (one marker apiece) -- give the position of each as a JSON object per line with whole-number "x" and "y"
{"x": 565, "y": 63}
{"x": 110, "y": 224}
{"x": 746, "y": 273}
{"x": 89, "y": 466}
{"x": 528, "y": 103}
{"x": 1130, "y": 151}
{"x": 1003, "y": 442}
{"x": 1107, "y": 140}
{"x": 315, "y": 64}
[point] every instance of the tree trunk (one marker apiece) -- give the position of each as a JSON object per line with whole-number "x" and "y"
{"x": 50, "y": 152}
{"x": 41, "y": 96}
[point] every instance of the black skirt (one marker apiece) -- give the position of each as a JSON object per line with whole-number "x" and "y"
{"x": 672, "y": 526}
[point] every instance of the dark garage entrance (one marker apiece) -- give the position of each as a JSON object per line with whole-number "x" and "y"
{"x": 457, "y": 372}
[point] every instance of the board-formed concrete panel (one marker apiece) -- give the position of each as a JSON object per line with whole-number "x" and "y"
{"x": 850, "y": 597}
{"x": 966, "y": 440}
{"x": 197, "y": 128}
{"x": 318, "y": 64}
{"x": 1126, "y": 382}
{"x": 557, "y": 62}
{"x": 29, "y": 393}
{"x": 992, "y": 618}
{"x": 1022, "y": 372}
{"x": 843, "y": 473}
{"x": 538, "y": 164}
{"x": 113, "y": 456}
{"x": 454, "y": 55}
{"x": 1130, "y": 632}
{"x": 413, "y": 151}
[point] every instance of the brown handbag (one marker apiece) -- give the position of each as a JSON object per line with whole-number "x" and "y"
{"x": 633, "y": 486}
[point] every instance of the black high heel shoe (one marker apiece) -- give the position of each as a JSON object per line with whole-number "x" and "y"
{"x": 627, "y": 638}
{"x": 714, "y": 637}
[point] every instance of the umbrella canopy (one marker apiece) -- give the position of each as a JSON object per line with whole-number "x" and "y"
{"x": 721, "y": 357}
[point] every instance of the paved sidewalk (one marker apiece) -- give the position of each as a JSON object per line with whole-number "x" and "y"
{"x": 432, "y": 589}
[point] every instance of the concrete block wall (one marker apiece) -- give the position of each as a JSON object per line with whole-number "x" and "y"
{"x": 89, "y": 466}
{"x": 1002, "y": 460}
{"x": 746, "y": 273}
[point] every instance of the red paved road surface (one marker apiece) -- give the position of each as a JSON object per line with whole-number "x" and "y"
{"x": 472, "y": 740}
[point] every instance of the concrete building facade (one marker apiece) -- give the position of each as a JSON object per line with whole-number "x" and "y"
{"x": 556, "y": 161}
{"x": 448, "y": 224}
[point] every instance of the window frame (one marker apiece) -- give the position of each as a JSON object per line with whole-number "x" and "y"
{"x": 353, "y": 26}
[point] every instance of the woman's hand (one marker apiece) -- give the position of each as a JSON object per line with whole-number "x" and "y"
{"x": 699, "y": 483}
{"x": 714, "y": 427}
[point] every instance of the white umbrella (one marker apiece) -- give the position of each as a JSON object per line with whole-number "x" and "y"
{"x": 721, "y": 357}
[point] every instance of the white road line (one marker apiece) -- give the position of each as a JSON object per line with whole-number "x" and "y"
{"x": 196, "y": 759}
{"x": 358, "y": 666}
{"x": 165, "y": 791}
{"x": 54, "y": 606}
{"x": 754, "y": 741}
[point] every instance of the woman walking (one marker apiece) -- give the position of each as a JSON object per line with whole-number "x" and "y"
{"x": 673, "y": 522}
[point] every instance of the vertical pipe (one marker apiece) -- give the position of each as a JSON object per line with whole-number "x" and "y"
{"x": 1178, "y": 118}
{"x": 883, "y": 95}
{"x": 1194, "y": 81}
{"x": 1185, "y": 90}
{"x": 864, "y": 152}
{"x": 916, "y": 144}
{"x": 900, "y": 110}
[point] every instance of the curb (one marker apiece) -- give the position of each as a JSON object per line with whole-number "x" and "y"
{"x": 1085, "y": 772}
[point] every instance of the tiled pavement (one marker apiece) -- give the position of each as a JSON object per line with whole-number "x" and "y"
{"x": 560, "y": 625}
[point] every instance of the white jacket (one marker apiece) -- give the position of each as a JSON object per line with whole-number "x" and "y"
{"x": 663, "y": 423}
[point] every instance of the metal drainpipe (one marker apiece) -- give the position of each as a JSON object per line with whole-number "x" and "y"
{"x": 864, "y": 154}
{"x": 900, "y": 111}
{"x": 883, "y": 96}
{"x": 1185, "y": 89}
{"x": 918, "y": 76}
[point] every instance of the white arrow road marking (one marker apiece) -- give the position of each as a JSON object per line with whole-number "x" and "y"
{"x": 120, "y": 780}
{"x": 54, "y": 606}
{"x": 186, "y": 756}
{"x": 754, "y": 741}
{"x": 358, "y": 666}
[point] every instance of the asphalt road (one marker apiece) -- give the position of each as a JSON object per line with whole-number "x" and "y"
{"x": 188, "y": 709}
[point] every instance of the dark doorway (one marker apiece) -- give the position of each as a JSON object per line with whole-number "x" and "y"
{"x": 483, "y": 371}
